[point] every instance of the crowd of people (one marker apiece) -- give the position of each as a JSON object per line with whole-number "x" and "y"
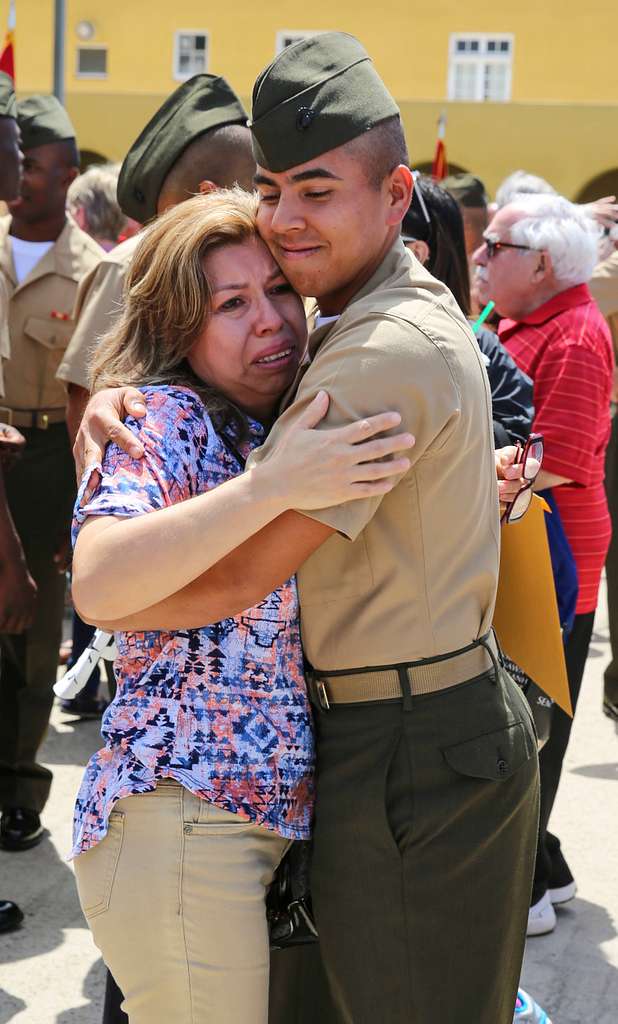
{"x": 303, "y": 375}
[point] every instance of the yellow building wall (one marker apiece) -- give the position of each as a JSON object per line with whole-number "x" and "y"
{"x": 561, "y": 122}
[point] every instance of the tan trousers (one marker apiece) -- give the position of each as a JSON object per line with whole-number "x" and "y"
{"x": 174, "y": 897}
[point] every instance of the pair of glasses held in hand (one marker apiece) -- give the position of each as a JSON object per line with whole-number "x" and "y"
{"x": 529, "y": 458}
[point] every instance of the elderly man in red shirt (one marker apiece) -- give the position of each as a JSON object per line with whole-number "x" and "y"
{"x": 538, "y": 254}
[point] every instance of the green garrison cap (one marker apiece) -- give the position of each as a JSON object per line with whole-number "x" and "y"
{"x": 316, "y": 95}
{"x": 43, "y": 119}
{"x": 198, "y": 105}
{"x": 8, "y": 106}
{"x": 466, "y": 189}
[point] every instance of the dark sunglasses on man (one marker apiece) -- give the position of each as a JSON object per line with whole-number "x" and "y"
{"x": 529, "y": 458}
{"x": 492, "y": 246}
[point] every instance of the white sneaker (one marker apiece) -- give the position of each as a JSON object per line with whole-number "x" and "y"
{"x": 562, "y": 894}
{"x": 541, "y": 917}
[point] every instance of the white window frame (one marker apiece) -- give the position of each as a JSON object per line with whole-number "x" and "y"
{"x": 296, "y": 33}
{"x": 91, "y": 74}
{"x": 177, "y": 74}
{"x": 480, "y": 58}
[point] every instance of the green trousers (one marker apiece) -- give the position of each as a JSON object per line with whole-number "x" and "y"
{"x": 41, "y": 491}
{"x": 425, "y": 838}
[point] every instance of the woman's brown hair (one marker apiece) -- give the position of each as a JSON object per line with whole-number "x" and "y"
{"x": 167, "y": 298}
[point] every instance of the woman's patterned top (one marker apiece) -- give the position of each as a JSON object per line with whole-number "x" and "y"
{"x": 223, "y": 709}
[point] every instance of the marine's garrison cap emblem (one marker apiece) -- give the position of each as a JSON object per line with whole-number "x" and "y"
{"x": 304, "y": 118}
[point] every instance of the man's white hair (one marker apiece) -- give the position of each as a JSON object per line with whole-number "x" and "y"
{"x": 521, "y": 183}
{"x": 95, "y": 192}
{"x": 563, "y": 230}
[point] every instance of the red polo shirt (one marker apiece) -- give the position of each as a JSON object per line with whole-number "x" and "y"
{"x": 565, "y": 347}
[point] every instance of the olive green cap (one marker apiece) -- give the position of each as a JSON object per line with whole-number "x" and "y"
{"x": 8, "y": 104}
{"x": 43, "y": 119}
{"x": 466, "y": 189}
{"x": 200, "y": 104}
{"x": 316, "y": 95}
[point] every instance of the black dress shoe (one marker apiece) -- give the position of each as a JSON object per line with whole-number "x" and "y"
{"x": 20, "y": 829}
{"x": 83, "y": 706}
{"x": 10, "y": 916}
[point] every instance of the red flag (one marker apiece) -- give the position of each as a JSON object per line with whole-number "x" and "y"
{"x": 439, "y": 168}
{"x": 7, "y": 56}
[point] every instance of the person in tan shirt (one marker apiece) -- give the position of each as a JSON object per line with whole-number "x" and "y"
{"x": 17, "y": 589}
{"x": 196, "y": 140}
{"x": 43, "y": 255}
{"x": 427, "y": 771}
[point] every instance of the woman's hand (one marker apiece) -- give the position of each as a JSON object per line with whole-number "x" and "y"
{"x": 318, "y": 468}
{"x": 102, "y": 422}
{"x": 510, "y": 479}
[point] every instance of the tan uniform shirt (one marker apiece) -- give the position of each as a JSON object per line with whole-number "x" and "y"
{"x": 604, "y": 288}
{"x": 414, "y": 573}
{"x": 5, "y": 345}
{"x": 40, "y": 310}
{"x": 99, "y": 302}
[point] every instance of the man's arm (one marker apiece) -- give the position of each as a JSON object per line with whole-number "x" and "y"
{"x": 239, "y": 581}
{"x": 77, "y": 400}
{"x": 546, "y": 479}
{"x": 17, "y": 588}
{"x": 98, "y": 304}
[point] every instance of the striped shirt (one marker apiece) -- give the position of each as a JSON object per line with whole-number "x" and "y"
{"x": 565, "y": 347}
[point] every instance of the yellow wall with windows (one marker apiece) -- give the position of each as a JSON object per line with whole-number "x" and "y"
{"x": 561, "y": 122}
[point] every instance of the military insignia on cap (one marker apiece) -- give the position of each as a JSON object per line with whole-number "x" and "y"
{"x": 304, "y": 118}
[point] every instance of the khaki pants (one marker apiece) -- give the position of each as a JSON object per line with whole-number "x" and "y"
{"x": 174, "y": 897}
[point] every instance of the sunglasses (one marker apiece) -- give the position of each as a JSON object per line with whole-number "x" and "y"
{"x": 493, "y": 247}
{"x": 529, "y": 458}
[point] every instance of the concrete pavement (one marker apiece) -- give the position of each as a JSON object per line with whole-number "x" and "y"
{"x": 51, "y": 973}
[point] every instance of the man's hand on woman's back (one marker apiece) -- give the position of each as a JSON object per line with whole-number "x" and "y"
{"x": 103, "y": 422}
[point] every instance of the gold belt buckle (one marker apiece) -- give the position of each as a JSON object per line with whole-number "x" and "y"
{"x": 6, "y": 415}
{"x": 42, "y": 420}
{"x": 322, "y": 695}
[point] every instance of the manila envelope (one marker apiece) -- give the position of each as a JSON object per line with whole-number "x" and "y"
{"x": 526, "y": 617}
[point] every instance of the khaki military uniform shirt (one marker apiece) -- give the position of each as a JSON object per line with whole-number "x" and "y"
{"x": 604, "y": 288}
{"x": 40, "y": 308}
{"x": 99, "y": 301}
{"x": 5, "y": 345}
{"x": 411, "y": 574}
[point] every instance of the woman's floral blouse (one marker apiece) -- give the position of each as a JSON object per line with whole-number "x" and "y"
{"x": 222, "y": 709}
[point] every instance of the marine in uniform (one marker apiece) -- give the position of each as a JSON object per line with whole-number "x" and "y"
{"x": 198, "y": 138}
{"x": 43, "y": 255}
{"x": 427, "y": 797}
{"x": 11, "y": 555}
